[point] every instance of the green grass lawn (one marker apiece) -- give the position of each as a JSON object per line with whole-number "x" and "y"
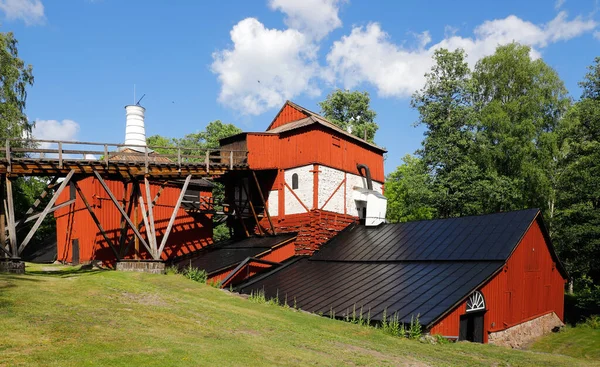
{"x": 580, "y": 342}
{"x": 59, "y": 316}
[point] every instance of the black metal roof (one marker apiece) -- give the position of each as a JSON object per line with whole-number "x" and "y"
{"x": 420, "y": 268}
{"x": 229, "y": 253}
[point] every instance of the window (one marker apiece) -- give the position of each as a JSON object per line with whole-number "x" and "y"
{"x": 294, "y": 181}
{"x": 475, "y": 302}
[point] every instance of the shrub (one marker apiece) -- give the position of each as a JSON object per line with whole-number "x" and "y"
{"x": 257, "y": 296}
{"x": 195, "y": 274}
{"x": 592, "y": 322}
{"x": 171, "y": 270}
{"x": 414, "y": 330}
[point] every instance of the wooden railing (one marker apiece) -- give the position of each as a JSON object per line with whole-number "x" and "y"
{"x": 59, "y": 152}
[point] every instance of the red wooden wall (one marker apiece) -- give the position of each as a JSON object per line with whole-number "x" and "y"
{"x": 312, "y": 145}
{"x": 190, "y": 232}
{"x": 529, "y": 286}
{"x": 287, "y": 114}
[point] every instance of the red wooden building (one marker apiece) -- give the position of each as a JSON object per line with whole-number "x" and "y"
{"x": 490, "y": 278}
{"x": 93, "y": 227}
{"x": 80, "y": 241}
{"x": 307, "y": 172}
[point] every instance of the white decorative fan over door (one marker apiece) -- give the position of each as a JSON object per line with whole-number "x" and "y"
{"x": 475, "y": 302}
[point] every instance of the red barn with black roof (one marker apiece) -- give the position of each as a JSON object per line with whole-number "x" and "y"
{"x": 490, "y": 278}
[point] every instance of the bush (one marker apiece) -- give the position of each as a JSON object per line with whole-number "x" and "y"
{"x": 171, "y": 270}
{"x": 195, "y": 274}
{"x": 592, "y": 322}
{"x": 414, "y": 331}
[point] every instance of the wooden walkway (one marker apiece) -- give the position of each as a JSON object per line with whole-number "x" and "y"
{"x": 59, "y": 158}
{"x": 73, "y": 161}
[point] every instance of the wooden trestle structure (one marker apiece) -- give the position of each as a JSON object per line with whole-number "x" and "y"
{"x": 73, "y": 161}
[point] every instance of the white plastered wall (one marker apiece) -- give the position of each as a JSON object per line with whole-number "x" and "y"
{"x": 304, "y": 190}
{"x": 273, "y": 203}
{"x": 330, "y": 179}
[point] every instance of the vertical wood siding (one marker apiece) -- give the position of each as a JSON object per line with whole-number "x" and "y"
{"x": 287, "y": 114}
{"x": 527, "y": 287}
{"x": 190, "y": 231}
{"x": 312, "y": 145}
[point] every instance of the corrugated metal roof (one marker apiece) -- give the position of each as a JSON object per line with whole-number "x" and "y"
{"x": 423, "y": 267}
{"x": 231, "y": 252}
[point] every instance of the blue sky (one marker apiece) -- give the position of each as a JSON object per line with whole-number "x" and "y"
{"x": 198, "y": 61}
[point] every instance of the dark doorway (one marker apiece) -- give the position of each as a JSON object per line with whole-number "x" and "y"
{"x": 471, "y": 327}
{"x": 75, "y": 257}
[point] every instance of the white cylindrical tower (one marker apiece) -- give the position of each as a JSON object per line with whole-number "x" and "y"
{"x": 135, "y": 132}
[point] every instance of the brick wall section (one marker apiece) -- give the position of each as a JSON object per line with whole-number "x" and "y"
{"x": 314, "y": 228}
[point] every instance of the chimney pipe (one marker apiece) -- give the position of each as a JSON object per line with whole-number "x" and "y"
{"x": 135, "y": 132}
{"x": 367, "y": 174}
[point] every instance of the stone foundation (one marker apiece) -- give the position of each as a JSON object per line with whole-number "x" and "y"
{"x": 522, "y": 334}
{"x": 153, "y": 267}
{"x": 12, "y": 266}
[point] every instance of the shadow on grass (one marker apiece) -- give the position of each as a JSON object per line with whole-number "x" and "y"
{"x": 65, "y": 273}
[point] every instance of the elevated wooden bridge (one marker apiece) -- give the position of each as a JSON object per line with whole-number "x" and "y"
{"x": 58, "y": 158}
{"x": 66, "y": 162}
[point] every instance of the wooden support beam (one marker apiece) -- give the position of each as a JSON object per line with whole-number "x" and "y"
{"x": 10, "y": 210}
{"x": 116, "y": 202}
{"x": 150, "y": 230}
{"x": 253, "y": 211}
{"x": 3, "y": 216}
{"x": 45, "y": 212}
{"x": 237, "y": 212}
{"x": 60, "y": 155}
{"x": 147, "y": 226}
{"x": 37, "y": 201}
{"x": 334, "y": 192}
{"x": 96, "y": 221}
{"x": 53, "y": 209}
{"x": 154, "y": 201}
{"x": 296, "y": 196}
{"x": 8, "y": 157}
{"x": 174, "y": 215}
{"x": 262, "y": 198}
{"x": 207, "y": 161}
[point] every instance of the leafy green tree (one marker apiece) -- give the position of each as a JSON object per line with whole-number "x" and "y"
{"x": 408, "y": 192}
{"x": 445, "y": 109}
{"x": 577, "y": 223}
{"x": 160, "y": 143}
{"x": 15, "y": 77}
{"x": 519, "y": 104}
{"x": 351, "y": 109}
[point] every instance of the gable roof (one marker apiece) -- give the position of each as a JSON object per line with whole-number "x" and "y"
{"x": 424, "y": 267}
{"x": 314, "y": 118}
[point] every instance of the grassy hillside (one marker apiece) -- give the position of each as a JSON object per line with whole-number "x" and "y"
{"x": 59, "y": 316}
{"x": 580, "y": 342}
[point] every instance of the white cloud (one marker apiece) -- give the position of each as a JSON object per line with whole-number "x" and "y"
{"x": 368, "y": 55}
{"x": 65, "y": 130}
{"x": 314, "y": 18}
{"x": 597, "y": 35}
{"x": 264, "y": 67}
{"x": 558, "y": 4}
{"x": 29, "y": 11}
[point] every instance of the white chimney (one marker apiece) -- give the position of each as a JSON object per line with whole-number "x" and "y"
{"x": 135, "y": 132}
